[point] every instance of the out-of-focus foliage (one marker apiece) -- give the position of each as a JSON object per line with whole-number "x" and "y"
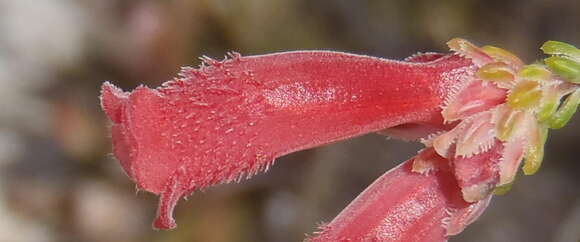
{"x": 58, "y": 181}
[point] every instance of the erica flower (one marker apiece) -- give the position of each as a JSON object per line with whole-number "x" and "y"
{"x": 479, "y": 112}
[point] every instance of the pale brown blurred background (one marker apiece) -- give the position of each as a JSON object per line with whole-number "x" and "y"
{"x": 58, "y": 181}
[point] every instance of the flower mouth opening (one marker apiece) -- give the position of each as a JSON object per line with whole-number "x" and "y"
{"x": 114, "y": 102}
{"x": 132, "y": 137}
{"x": 511, "y": 104}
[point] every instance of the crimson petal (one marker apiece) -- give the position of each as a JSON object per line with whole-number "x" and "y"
{"x": 403, "y": 205}
{"x": 232, "y": 118}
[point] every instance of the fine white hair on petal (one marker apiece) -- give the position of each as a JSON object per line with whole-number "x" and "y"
{"x": 478, "y": 136}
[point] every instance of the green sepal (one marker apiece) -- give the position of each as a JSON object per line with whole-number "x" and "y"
{"x": 564, "y": 67}
{"x": 503, "y": 189}
{"x": 565, "y": 113}
{"x": 560, "y": 48}
{"x": 550, "y": 103}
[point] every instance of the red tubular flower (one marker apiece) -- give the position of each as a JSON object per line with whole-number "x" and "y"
{"x": 405, "y": 205}
{"x": 479, "y": 112}
{"x": 232, "y": 118}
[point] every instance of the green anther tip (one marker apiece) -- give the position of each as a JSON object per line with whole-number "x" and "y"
{"x": 527, "y": 94}
{"x": 535, "y": 72}
{"x": 496, "y": 72}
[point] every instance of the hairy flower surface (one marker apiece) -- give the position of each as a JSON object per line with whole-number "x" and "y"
{"x": 405, "y": 205}
{"x": 479, "y": 112}
{"x": 231, "y": 119}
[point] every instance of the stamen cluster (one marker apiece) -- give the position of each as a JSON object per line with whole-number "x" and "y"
{"x": 509, "y": 106}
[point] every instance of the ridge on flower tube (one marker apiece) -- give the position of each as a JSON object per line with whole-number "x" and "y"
{"x": 480, "y": 112}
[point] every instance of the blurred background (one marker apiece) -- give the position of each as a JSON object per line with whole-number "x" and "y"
{"x": 59, "y": 182}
